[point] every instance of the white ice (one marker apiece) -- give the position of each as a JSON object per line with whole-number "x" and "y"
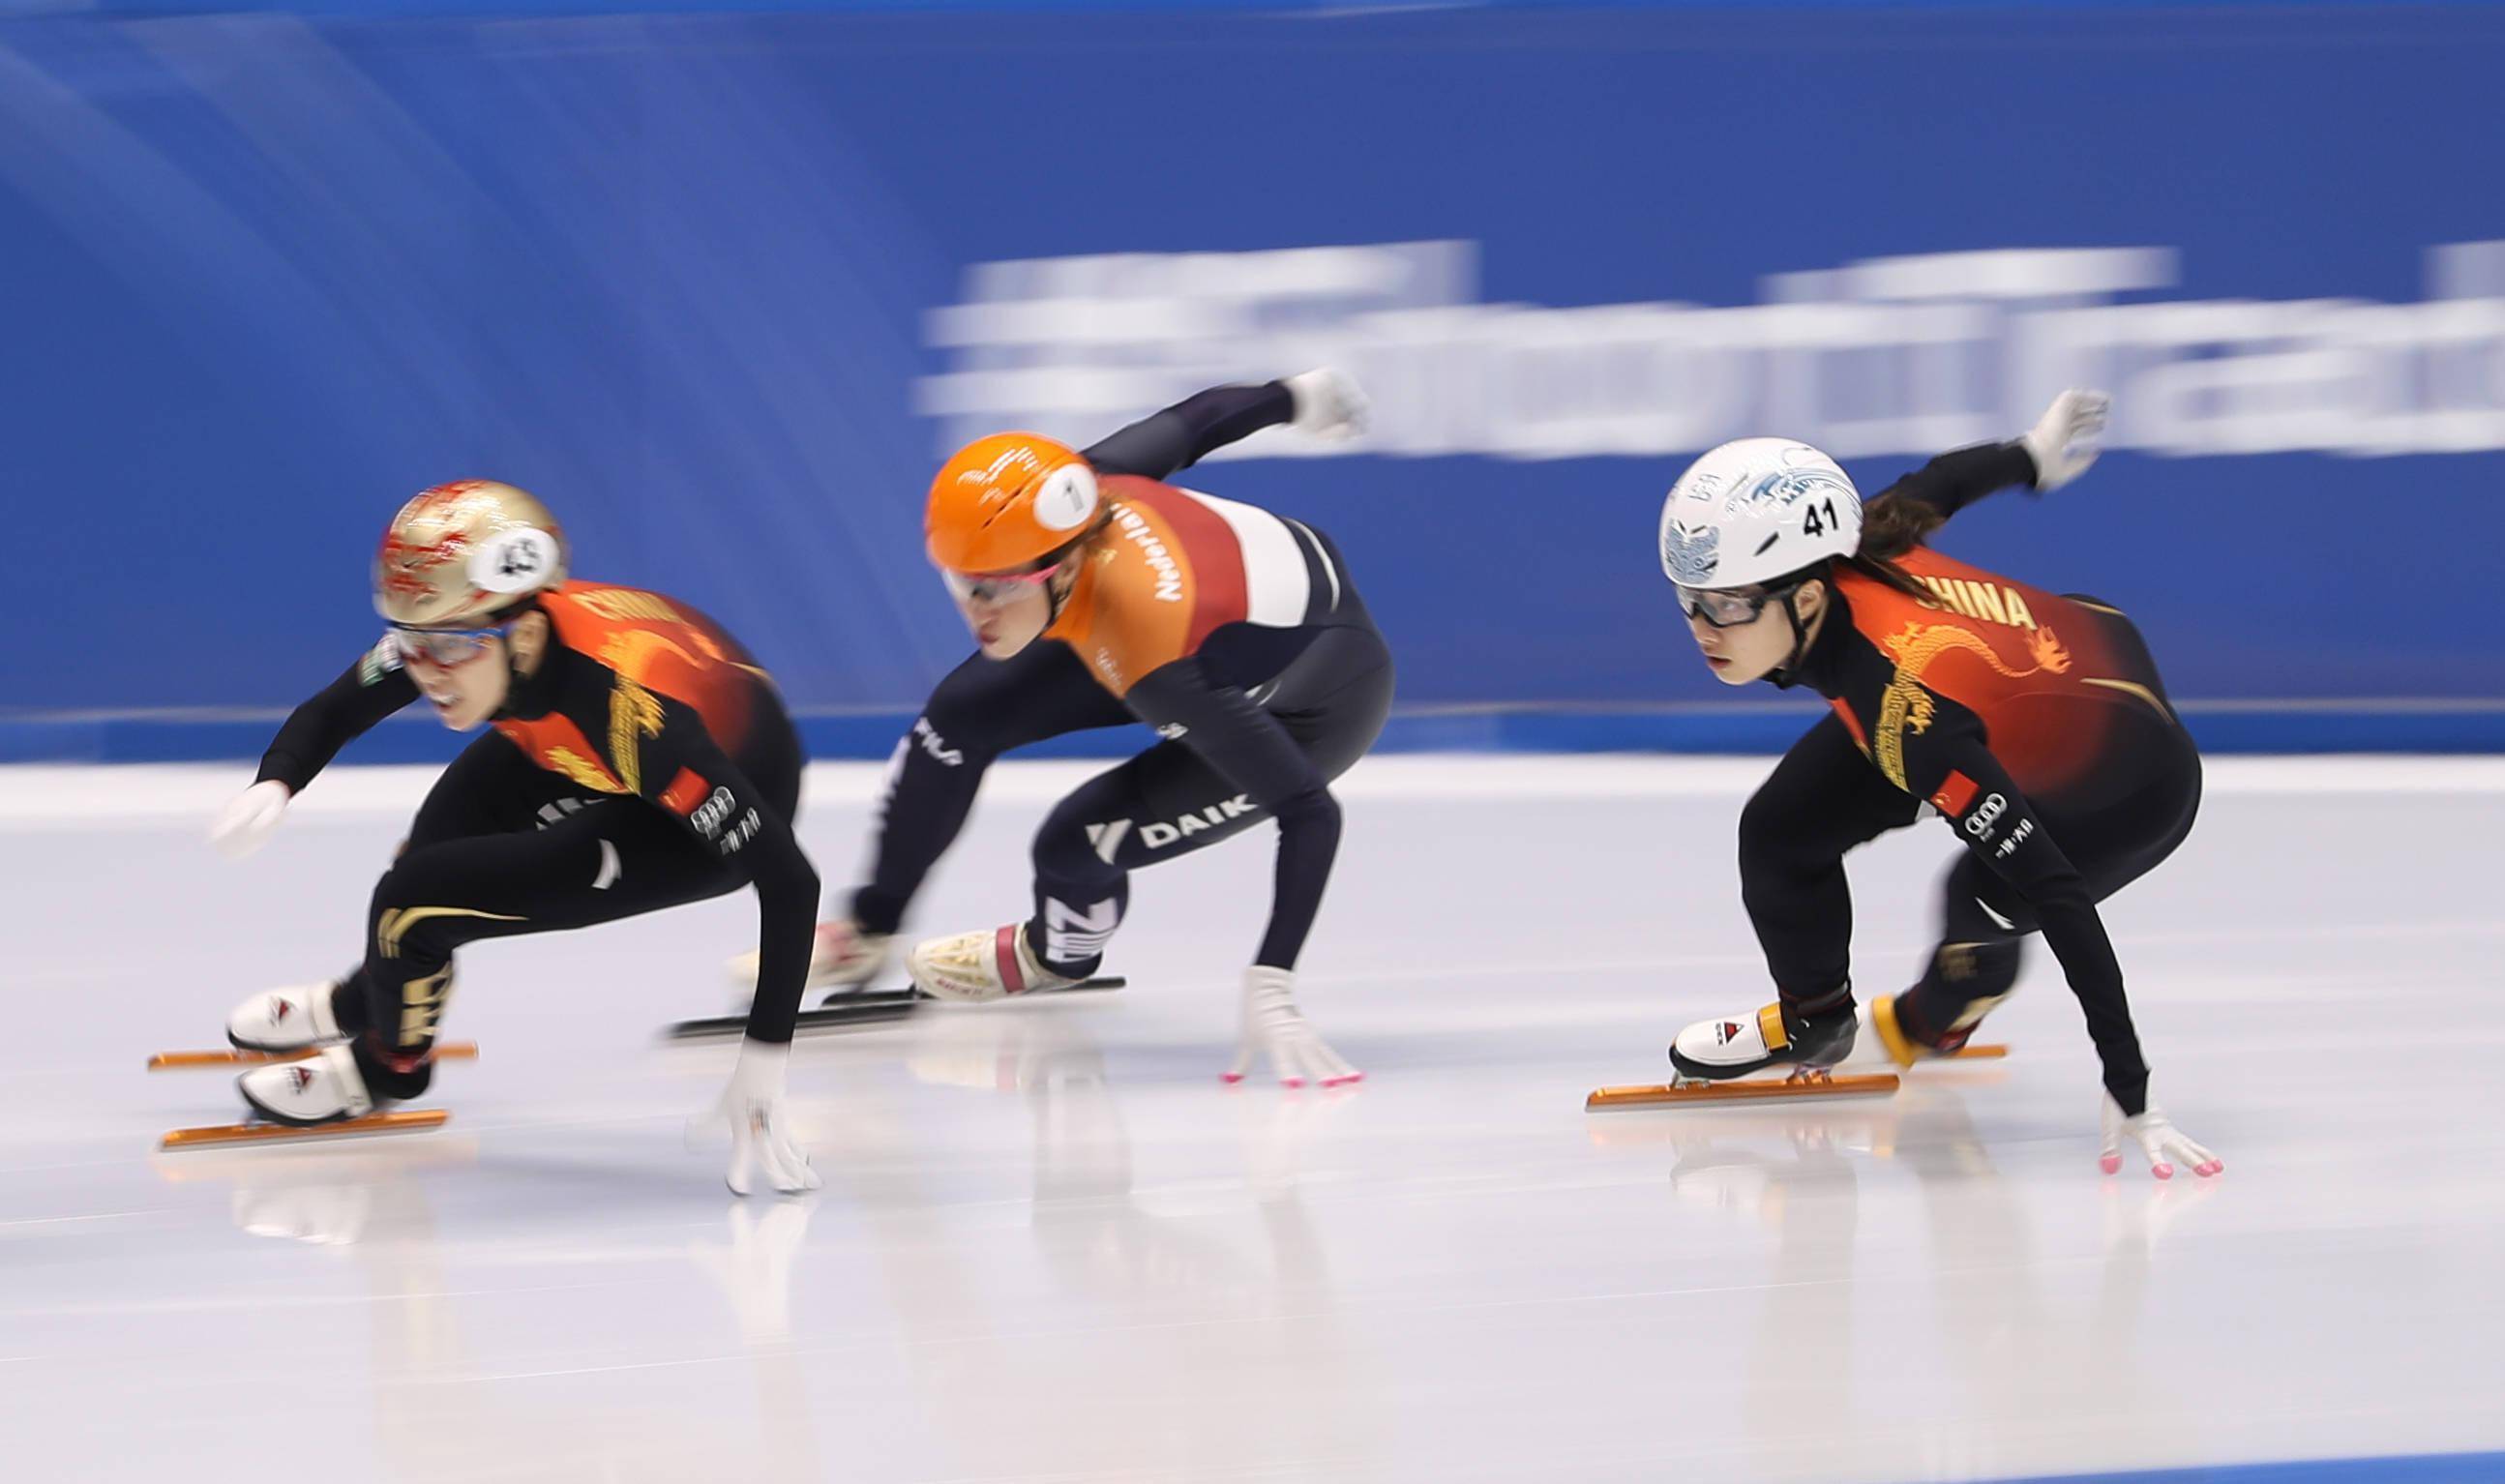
{"x": 1051, "y": 1246}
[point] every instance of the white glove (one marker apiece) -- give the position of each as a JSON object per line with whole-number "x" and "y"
{"x": 2165, "y": 1144}
{"x": 2064, "y": 440}
{"x": 246, "y": 822}
{"x": 1329, "y": 403}
{"x": 1272, "y": 1023}
{"x": 760, "y": 1132}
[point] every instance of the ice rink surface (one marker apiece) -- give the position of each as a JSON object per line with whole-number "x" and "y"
{"x": 1052, "y": 1247}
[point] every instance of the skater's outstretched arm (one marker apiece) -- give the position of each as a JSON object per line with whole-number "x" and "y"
{"x": 341, "y": 712}
{"x": 2057, "y": 449}
{"x": 1954, "y": 768}
{"x": 688, "y": 776}
{"x": 1956, "y": 480}
{"x": 982, "y": 709}
{"x": 685, "y": 774}
{"x": 1250, "y": 749}
{"x": 1323, "y": 402}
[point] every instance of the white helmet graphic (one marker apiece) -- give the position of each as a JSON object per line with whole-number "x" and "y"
{"x": 1754, "y": 511}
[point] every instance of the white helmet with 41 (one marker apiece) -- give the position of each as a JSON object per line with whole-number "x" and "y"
{"x": 1757, "y": 510}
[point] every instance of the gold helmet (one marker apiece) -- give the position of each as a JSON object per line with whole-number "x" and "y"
{"x": 465, "y": 550}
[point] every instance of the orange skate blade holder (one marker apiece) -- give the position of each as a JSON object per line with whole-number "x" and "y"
{"x": 176, "y": 1061}
{"x": 1983, "y": 1052}
{"x": 1743, "y": 1090}
{"x": 401, "y": 1121}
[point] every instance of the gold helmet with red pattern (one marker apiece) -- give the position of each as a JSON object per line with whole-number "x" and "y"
{"x": 464, "y": 550}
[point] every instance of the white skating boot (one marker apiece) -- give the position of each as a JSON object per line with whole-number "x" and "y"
{"x": 842, "y": 956}
{"x": 286, "y": 1020}
{"x": 981, "y": 966}
{"x": 1739, "y": 1045}
{"x": 325, "y": 1088}
{"x": 1880, "y": 1043}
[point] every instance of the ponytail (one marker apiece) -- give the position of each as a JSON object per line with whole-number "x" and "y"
{"x": 1892, "y": 526}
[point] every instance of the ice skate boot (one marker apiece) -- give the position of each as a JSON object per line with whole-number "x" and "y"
{"x": 282, "y": 1020}
{"x": 320, "y": 1094}
{"x": 1885, "y": 1041}
{"x": 1718, "y": 1061}
{"x": 325, "y": 1088}
{"x": 1776, "y": 1035}
{"x": 976, "y": 966}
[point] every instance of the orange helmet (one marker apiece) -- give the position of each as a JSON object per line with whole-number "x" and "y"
{"x": 465, "y": 550}
{"x": 1006, "y": 501}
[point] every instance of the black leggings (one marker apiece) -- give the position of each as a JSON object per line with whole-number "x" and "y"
{"x": 1169, "y": 802}
{"x": 1825, "y": 799}
{"x": 503, "y": 847}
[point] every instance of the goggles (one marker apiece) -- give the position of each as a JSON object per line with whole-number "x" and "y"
{"x": 446, "y": 648}
{"x": 994, "y": 587}
{"x": 1723, "y": 607}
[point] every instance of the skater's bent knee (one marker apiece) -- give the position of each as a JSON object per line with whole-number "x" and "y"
{"x": 1772, "y": 843}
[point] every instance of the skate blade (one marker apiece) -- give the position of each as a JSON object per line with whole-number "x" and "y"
{"x": 849, "y": 1018}
{"x": 1988, "y": 1052}
{"x": 1744, "y": 1090}
{"x": 401, "y": 1122}
{"x": 909, "y": 995}
{"x": 852, "y": 1010}
{"x": 176, "y": 1061}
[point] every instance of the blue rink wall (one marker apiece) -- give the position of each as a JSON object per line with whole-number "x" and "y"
{"x": 725, "y": 287}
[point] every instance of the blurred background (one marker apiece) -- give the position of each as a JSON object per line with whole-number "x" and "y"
{"x": 722, "y": 284}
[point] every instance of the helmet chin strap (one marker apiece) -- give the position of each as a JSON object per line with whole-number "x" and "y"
{"x": 1791, "y": 666}
{"x": 515, "y": 677}
{"x": 1058, "y": 589}
{"x": 1056, "y": 597}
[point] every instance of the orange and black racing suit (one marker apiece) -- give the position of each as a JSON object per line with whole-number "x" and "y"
{"x": 2034, "y": 724}
{"x": 647, "y": 762}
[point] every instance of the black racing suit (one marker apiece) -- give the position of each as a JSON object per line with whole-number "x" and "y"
{"x": 1259, "y": 719}
{"x": 600, "y": 795}
{"x": 2036, "y": 723}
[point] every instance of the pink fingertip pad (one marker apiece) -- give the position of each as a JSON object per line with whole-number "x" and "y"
{"x": 2212, "y": 1168}
{"x": 1350, "y": 1081}
{"x": 2162, "y": 1171}
{"x": 1292, "y": 1082}
{"x": 1230, "y": 1079}
{"x": 2111, "y": 1164}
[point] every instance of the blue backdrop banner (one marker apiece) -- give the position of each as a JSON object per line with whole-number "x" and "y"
{"x": 723, "y": 289}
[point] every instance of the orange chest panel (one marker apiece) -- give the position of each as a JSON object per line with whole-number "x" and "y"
{"x": 2042, "y": 673}
{"x": 654, "y": 643}
{"x": 556, "y": 744}
{"x": 1166, "y": 573}
{"x": 1979, "y": 639}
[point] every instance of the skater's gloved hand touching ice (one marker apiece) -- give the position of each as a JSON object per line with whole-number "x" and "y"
{"x": 2165, "y": 1144}
{"x": 1273, "y": 1025}
{"x": 2064, "y": 440}
{"x": 761, "y": 1137}
{"x": 248, "y": 819}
